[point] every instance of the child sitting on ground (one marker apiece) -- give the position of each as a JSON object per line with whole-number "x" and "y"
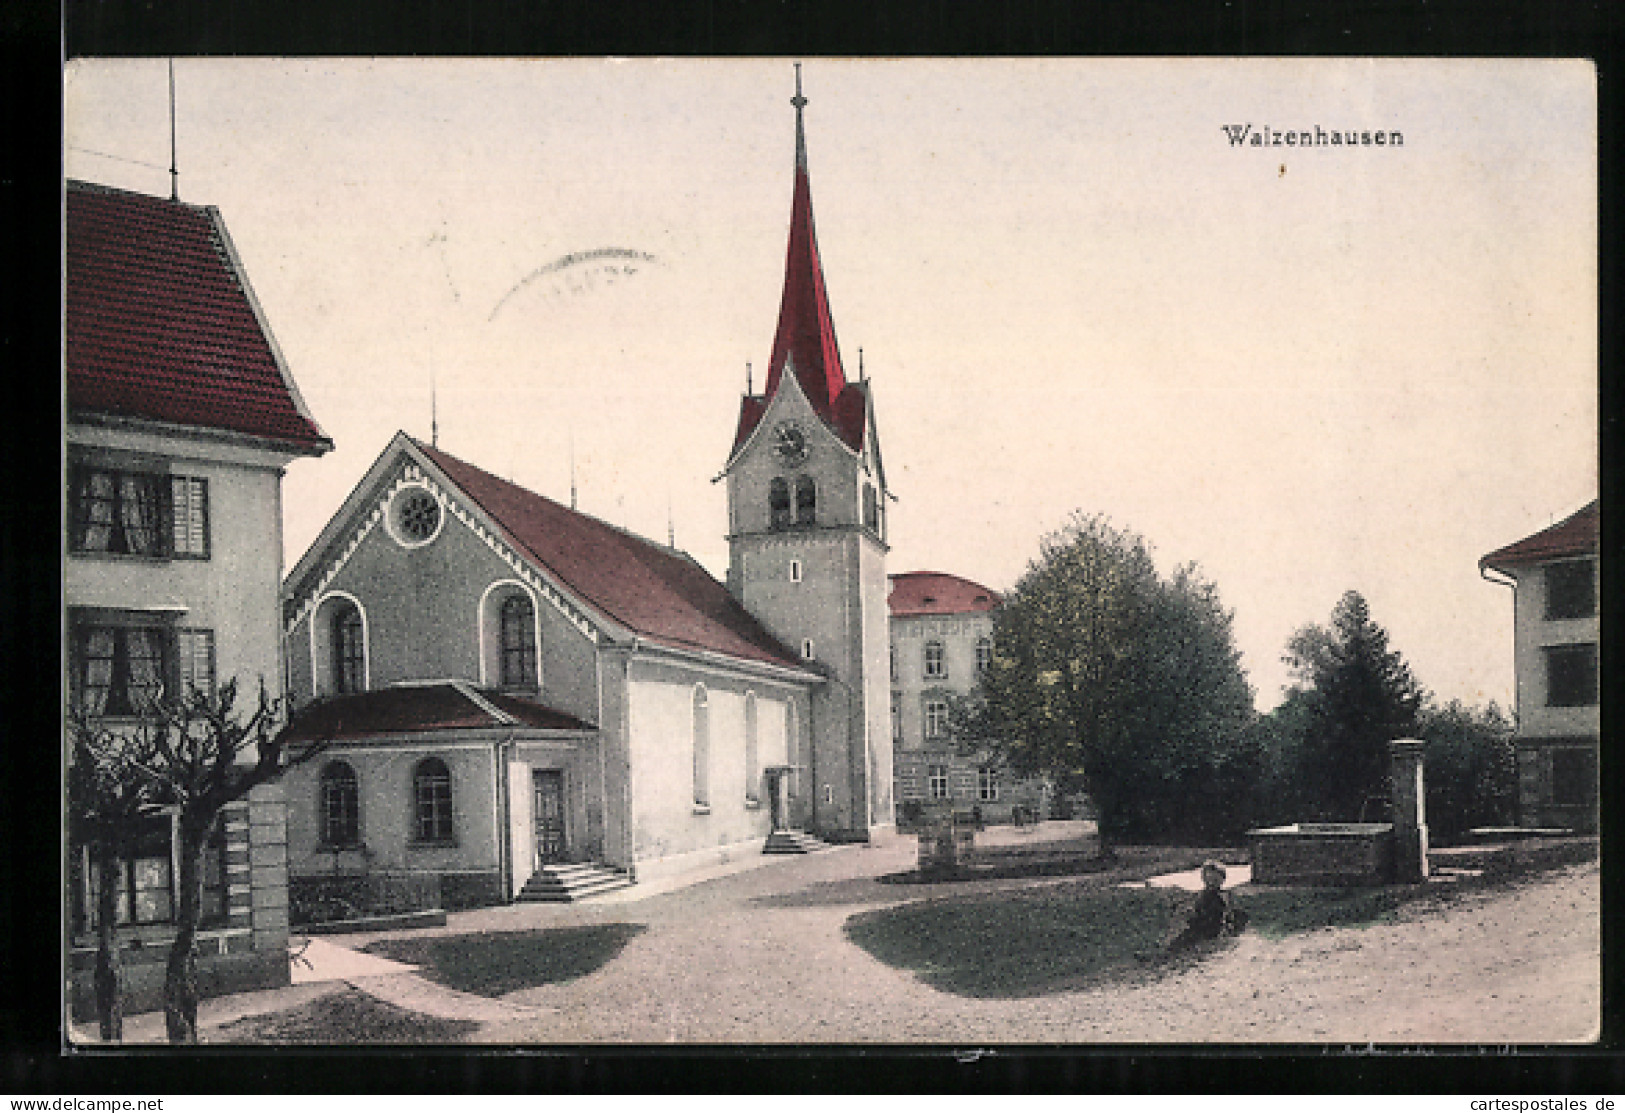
{"x": 1212, "y": 916}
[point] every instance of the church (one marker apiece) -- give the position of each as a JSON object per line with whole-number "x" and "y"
{"x": 521, "y": 701}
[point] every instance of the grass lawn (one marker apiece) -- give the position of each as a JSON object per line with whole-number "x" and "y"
{"x": 345, "y": 1016}
{"x": 498, "y": 962}
{"x": 1278, "y": 912}
{"x": 1033, "y": 942}
{"x": 1024, "y": 943}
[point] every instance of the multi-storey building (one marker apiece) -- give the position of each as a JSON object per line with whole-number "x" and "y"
{"x": 1553, "y": 575}
{"x": 181, "y": 416}
{"x": 941, "y": 640}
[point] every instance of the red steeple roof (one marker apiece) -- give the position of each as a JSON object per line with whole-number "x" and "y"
{"x": 805, "y": 339}
{"x": 806, "y": 331}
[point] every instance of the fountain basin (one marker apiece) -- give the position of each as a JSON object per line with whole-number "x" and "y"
{"x": 1323, "y": 854}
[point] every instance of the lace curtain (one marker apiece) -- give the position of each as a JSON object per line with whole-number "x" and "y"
{"x": 138, "y": 512}
{"x": 144, "y": 650}
{"x": 95, "y": 495}
{"x": 98, "y": 678}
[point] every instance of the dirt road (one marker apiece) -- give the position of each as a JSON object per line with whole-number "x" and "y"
{"x": 760, "y": 957}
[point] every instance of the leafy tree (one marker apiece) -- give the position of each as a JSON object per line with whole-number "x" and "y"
{"x": 1278, "y": 737}
{"x": 1471, "y": 768}
{"x": 1359, "y": 695}
{"x": 1107, "y": 678}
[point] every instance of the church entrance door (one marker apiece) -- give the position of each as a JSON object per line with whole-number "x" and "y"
{"x": 775, "y": 798}
{"x": 549, "y": 813}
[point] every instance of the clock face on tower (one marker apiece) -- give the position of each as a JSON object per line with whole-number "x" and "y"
{"x": 790, "y": 442}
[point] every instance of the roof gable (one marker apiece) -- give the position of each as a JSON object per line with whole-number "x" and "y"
{"x": 161, "y": 323}
{"x": 1576, "y": 535}
{"x": 792, "y": 403}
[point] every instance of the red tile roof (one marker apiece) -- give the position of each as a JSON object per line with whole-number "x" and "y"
{"x": 161, "y": 325}
{"x": 418, "y": 708}
{"x": 928, "y": 593}
{"x": 805, "y": 338}
{"x": 1575, "y": 535}
{"x": 659, "y": 593}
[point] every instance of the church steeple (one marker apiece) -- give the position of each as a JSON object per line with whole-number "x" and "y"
{"x": 806, "y": 334}
{"x": 807, "y": 538}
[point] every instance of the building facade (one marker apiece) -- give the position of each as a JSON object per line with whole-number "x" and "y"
{"x": 941, "y": 640}
{"x": 1554, "y": 580}
{"x": 508, "y": 685}
{"x": 181, "y": 418}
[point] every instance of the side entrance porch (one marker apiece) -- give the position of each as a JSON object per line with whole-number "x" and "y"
{"x": 438, "y": 795}
{"x": 556, "y": 811}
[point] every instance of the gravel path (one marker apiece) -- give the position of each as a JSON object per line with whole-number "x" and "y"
{"x": 760, "y": 957}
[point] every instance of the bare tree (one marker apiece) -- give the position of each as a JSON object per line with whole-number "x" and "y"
{"x": 108, "y": 798}
{"x": 204, "y": 755}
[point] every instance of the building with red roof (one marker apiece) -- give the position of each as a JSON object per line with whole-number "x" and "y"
{"x": 1553, "y": 576}
{"x": 525, "y": 699}
{"x": 941, "y": 640}
{"x": 181, "y": 416}
{"x": 479, "y": 651}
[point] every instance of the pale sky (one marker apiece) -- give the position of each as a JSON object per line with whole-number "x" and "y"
{"x": 1306, "y": 370}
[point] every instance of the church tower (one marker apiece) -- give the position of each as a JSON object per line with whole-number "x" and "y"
{"x": 807, "y": 539}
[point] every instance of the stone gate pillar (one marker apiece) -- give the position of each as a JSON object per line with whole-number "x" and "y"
{"x": 1409, "y": 793}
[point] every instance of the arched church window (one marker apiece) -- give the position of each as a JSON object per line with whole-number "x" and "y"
{"x": 341, "y": 805}
{"x": 349, "y": 650}
{"x": 806, "y": 501}
{"x": 753, "y": 772}
{"x": 518, "y": 643}
{"x": 778, "y": 503}
{"x": 702, "y": 748}
{"x": 431, "y": 791}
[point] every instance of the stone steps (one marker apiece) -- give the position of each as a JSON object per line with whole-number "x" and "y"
{"x": 564, "y": 883}
{"x": 793, "y": 842}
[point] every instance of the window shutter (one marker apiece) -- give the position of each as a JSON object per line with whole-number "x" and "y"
{"x": 189, "y": 503}
{"x": 197, "y": 659}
